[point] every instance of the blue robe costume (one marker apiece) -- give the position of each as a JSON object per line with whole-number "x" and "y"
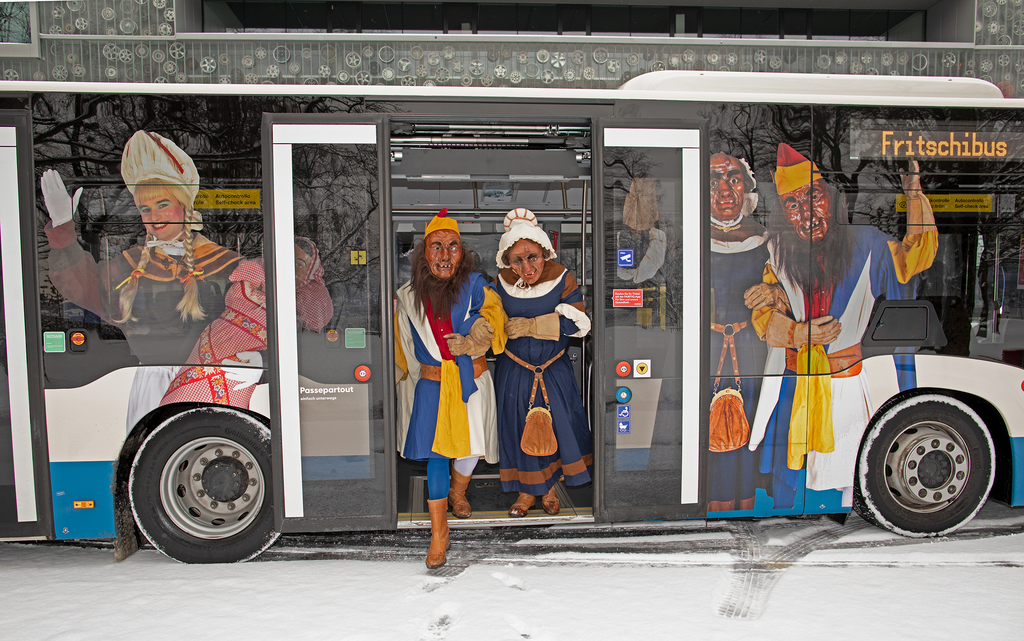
{"x": 574, "y": 459}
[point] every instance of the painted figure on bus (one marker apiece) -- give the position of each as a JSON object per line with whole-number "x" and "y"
{"x": 819, "y": 287}
{"x": 161, "y": 293}
{"x": 239, "y": 334}
{"x": 545, "y": 308}
{"x": 447, "y": 319}
{"x": 738, "y": 256}
{"x": 641, "y": 234}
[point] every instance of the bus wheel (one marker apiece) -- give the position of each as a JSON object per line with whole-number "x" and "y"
{"x": 201, "y": 487}
{"x": 925, "y": 467}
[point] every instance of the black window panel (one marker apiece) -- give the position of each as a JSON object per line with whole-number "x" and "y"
{"x": 794, "y": 23}
{"x": 537, "y": 18}
{"x": 648, "y": 20}
{"x": 605, "y": 20}
{"x": 496, "y": 17}
{"x": 830, "y": 24}
{"x": 572, "y": 19}
{"x": 461, "y": 17}
{"x": 344, "y": 17}
{"x": 422, "y": 18}
{"x": 722, "y": 22}
{"x": 223, "y": 17}
{"x": 381, "y": 17}
{"x": 686, "y": 21}
{"x": 265, "y": 16}
{"x": 906, "y": 26}
{"x": 763, "y": 23}
{"x": 868, "y": 25}
{"x": 307, "y": 16}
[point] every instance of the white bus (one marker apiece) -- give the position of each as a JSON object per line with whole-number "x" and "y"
{"x": 805, "y": 294}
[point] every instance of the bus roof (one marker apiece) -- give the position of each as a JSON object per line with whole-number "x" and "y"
{"x": 758, "y": 85}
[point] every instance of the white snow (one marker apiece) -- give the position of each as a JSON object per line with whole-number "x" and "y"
{"x": 872, "y": 586}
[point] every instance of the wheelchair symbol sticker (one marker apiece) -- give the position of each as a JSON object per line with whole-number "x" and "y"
{"x": 622, "y": 412}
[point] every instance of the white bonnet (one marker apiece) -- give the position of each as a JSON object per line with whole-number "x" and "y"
{"x": 521, "y": 223}
{"x": 150, "y": 156}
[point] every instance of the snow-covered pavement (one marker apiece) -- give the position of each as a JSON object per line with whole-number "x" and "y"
{"x": 772, "y": 579}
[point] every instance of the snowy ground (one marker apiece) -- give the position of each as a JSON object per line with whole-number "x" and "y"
{"x": 771, "y": 579}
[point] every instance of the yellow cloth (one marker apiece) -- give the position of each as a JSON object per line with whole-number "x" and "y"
{"x": 494, "y": 313}
{"x": 915, "y": 254}
{"x": 451, "y": 436}
{"x": 812, "y": 407}
{"x": 760, "y": 318}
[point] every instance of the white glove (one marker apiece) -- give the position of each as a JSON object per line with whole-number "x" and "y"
{"x": 247, "y": 376}
{"x": 59, "y": 204}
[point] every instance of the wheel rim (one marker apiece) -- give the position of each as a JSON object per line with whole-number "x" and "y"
{"x": 927, "y": 467}
{"x": 212, "y": 488}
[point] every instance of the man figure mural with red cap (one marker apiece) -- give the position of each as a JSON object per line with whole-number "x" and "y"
{"x": 820, "y": 284}
{"x": 447, "y": 319}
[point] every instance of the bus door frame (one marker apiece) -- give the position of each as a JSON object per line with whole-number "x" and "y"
{"x": 23, "y": 335}
{"x": 279, "y": 234}
{"x": 696, "y": 386}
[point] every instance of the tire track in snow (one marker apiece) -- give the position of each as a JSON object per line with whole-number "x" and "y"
{"x": 744, "y": 590}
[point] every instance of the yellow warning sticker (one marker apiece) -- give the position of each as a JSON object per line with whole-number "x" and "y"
{"x": 228, "y": 199}
{"x": 954, "y": 203}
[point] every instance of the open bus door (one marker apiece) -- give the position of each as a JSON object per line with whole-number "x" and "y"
{"x": 24, "y": 475}
{"x": 650, "y": 397}
{"x": 330, "y": 345}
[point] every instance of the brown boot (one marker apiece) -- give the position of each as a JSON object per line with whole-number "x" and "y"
{"x": 439, "y": 540}
{"x": 550, "y": 502}
{"x": 522, "y": 505}
{"x": 457, "y": 495}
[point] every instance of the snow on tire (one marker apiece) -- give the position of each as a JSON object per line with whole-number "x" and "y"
{"x": 201, "y": 486}
{"x": 925, "y": 468}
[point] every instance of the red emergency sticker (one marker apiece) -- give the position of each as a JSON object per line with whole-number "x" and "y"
{"x": 627, "y": 298}
{"x": 362, "y": 373}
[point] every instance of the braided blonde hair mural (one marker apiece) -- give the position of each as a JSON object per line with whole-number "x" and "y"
{"x": 189, "y": 306}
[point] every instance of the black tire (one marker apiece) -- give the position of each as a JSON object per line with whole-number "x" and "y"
{"x": 221, "y": 514}
{"x": 925, "y": 468}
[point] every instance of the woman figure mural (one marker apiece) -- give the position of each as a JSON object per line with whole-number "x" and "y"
{"x": 161, "y": 293}
{"x": 545, "y": 308}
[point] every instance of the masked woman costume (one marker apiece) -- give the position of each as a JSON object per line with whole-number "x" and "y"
{"x": 555, "y": 293}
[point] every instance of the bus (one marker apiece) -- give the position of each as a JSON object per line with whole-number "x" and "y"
{"x": 805, "y": 291}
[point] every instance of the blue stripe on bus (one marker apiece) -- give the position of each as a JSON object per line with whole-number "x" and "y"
{"x": 83, "y": 481}
{"x": 1017, "y": 491}
{"x": 333, "y": 468}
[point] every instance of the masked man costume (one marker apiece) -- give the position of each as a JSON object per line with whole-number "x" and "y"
{"x": 445, "y": 391}
{"x": 824, "y": 416}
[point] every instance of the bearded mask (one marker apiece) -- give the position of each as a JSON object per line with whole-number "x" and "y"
{"x": 443, "y": 253}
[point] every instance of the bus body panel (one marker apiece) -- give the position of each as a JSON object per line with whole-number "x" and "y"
{"x": 972, "y": 290}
